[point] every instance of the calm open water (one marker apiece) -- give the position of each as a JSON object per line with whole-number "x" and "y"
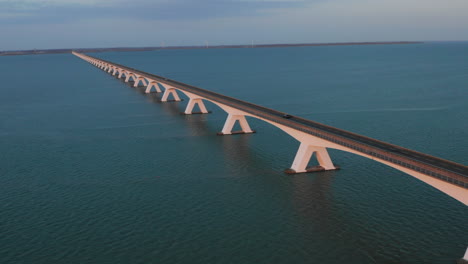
{"x": 94, "y": 171}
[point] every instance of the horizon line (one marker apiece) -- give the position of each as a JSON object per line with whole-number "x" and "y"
{"x": 160, "y": 47}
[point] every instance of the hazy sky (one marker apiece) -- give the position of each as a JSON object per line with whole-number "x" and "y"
{"x": 42, "y": 24}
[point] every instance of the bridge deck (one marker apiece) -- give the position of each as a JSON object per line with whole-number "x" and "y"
{"x": 454, "y": 173}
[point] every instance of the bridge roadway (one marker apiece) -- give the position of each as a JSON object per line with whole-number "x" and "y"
{"x": 445, "y": 170}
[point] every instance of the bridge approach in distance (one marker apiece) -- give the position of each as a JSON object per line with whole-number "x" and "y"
{"x": 446, "y": 176}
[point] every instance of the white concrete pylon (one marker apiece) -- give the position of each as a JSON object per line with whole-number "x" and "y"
{"x": 115, "y": 71}
{"x": 304, "y": 154}
{"x": 231, "y": 121}
{"x": 110, "y": 69}
{"x": 465, "y": 257}
{"x": 191, "y": 104}
{"x": 170, "y": 91}
{"x": 152, "y": 84}
{"x": 128, "y": 76}
{"x": 138, "y": 79}
{"x": 121, "y": 72}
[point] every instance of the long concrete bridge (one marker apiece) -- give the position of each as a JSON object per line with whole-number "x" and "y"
{"x": 446, "y": 176}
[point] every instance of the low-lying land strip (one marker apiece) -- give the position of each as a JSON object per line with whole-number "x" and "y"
{"x": 58, "y": 51}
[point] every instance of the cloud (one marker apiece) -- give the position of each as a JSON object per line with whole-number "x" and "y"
{"x": 35, "y": 4}
{"x": 113, "y": 23}
{"x": 56, "y": 11}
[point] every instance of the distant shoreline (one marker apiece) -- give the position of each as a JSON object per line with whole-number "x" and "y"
{"x": 60, "y": 51}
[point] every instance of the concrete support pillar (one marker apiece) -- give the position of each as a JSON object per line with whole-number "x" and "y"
{"x": 464, "y": 260}
{"x": 303, "y": 156}
{"x": 128, "y": 76}
{"x": 121, "y": 72}
{"x": 231, "y": 121}
{"x": 169, "y": 91}
{"x": 191, "y": 104}
{"x": 114, "y": 72}
{"x": 110, "y": 69}
{"x": 143, "y": 80}
{"x": 137, "y": 81}
{"x": 152, "y": 84}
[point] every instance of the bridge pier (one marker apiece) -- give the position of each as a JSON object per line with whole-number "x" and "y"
{"x": 152, "y": 84}
{"x": 231, "y": 121}
{"x": 128, "y": 76}
{"x": 170, "y": 91}
{"x": 191, "y": 104}
{"x": 464, "y": 260}
{"x": 303, "y": 155}
{"x": 138, "y": 79}
{"x": 121, "y": 73}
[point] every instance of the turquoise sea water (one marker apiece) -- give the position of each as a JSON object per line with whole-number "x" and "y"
{"x": 94, "y": 171}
